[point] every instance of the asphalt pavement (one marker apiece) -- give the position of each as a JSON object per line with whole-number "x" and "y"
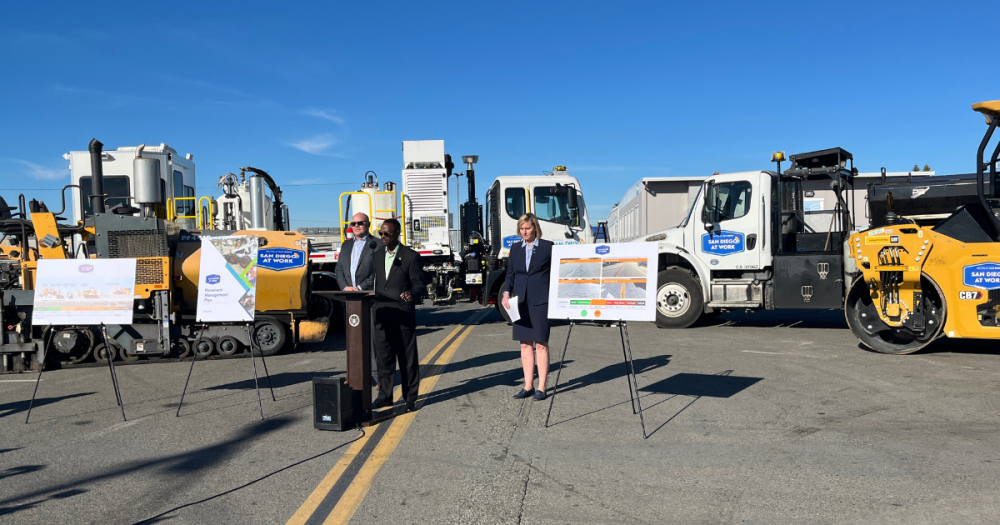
{"x": 772, "y": 417}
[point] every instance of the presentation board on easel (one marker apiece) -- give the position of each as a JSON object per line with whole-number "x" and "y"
{"x": 227, "y": 291}
{"x": 84, "y": 292}
{"x": 603, "y": 282}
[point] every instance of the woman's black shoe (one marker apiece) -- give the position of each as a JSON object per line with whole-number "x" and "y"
{"x": 524, "y": 393}
{"x": 539, "y": 395}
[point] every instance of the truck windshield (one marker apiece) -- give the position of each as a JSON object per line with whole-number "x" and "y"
{"x": 696, "y": 200}
{"x": 116, "y": 188}
{"x": 550, "y": 207}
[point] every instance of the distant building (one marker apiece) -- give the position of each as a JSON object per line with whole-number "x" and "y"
{"x": 657, "y": 203}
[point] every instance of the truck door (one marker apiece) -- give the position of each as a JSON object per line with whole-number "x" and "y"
{"x": 732, "y": 219}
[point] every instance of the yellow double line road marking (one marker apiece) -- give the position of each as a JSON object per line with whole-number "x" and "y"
{"x": 365, "y": 457}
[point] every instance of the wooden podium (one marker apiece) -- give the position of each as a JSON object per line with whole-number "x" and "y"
{"x": 358, "y": 332}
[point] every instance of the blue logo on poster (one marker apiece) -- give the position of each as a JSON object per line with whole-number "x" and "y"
{"x": 603, "y": 250}
{"x": 985, "y": 276}
{"x": 280, "y": 259}
{"x": 509, "y": 241}
{"x": 724, "y": 243}
{"x": 213, "y": 279}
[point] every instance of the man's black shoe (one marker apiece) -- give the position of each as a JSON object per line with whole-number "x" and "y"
{"x": 410, "y": 407}
{"x": 380, "y": 403}
{"x": 524, "y": 393}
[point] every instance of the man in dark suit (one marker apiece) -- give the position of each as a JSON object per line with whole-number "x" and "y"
{"x": 399, "y": 285}
{"x": 355, "y": 270}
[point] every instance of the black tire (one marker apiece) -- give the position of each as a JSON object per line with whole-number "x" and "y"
{"x": 502, "y": 310}
{"x": 269, "y": 336}
{"x": 228, "y": 345}
{"x": 203, "y": 347}
{"x": 679, "y": 302}
{"x": 101, "y": 353}
{"x": 180, "y": 348}
{"x": 897, "y": 341}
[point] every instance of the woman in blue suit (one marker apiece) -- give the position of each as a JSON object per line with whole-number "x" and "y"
{"x": 528, "y": 281}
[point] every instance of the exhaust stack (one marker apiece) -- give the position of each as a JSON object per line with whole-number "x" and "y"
{"x": 97, "y": 176}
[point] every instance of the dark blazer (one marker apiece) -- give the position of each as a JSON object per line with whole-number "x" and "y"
{"x": 406, "y": 275}
{"x": 364, "y": 274}
{"x": 529, "y": 284}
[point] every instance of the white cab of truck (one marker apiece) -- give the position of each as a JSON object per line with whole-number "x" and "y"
{"x": 695, "y": 255}
{"x": 750, "y": 241}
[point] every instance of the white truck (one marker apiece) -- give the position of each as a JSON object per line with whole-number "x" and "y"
{"x": 556, "y": 199}
{"x": 746, "y": 243}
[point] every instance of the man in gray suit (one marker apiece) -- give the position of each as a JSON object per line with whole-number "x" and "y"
{"x": 355, "y": 270}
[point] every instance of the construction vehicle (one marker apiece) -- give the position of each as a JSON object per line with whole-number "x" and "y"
{"x": 748, "y": 243}
{"x": 919, "y": 281}
{"x": 473, "y": 266}
{"x": 146, "y": 226}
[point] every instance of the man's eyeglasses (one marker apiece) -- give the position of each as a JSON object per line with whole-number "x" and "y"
{"x": 359, "y": 223}
{"x": 384, "y": 234}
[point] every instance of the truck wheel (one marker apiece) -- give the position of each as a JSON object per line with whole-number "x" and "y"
{"x": 269, "y": 335}
{"x": 502, "y": 310}
{"x": 678, "y": 299}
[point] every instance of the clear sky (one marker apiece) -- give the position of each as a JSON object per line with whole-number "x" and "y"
{"x": 616, "y": 91}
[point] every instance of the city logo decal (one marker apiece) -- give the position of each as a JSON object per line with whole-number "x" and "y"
{"x": 354, "y": 320}
{"x": 86, "y": 268}
{"x": 985, "y": 276}
{"x": 509, "y": 241}
{"x": 213, "y": 279}
{"x": 723, "y": 243}
{"x": 281, "y": 259}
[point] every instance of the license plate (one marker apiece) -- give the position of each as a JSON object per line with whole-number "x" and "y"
{"x": 473, "y": 278}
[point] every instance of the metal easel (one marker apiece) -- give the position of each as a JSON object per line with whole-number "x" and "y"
{"x": 633, "y": 382}
{"x": 194, "y": 357}
{"x": 111, "y": 367}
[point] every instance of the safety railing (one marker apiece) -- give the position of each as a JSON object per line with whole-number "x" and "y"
{"x": 205, "y": 213}
{"x": 172, "y": 213}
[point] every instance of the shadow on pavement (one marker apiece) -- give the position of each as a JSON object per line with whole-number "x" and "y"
{"x": 169, "y": 467}
{"x": 702, "y": 385}
{"x": 778, "y": 319}
{"x": 722, "y": 385}
{"x": 279, "y": 380}
{"x": 7, "y": 409}
{"x": 612, "y": 372}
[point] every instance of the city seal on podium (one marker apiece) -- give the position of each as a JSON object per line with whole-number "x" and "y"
{"x": 354, "y": 320}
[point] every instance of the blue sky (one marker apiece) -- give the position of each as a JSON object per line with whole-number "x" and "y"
{"x": 614, "y": 90}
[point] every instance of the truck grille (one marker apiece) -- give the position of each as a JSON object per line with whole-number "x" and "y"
{"x": 149, "y": 271}
{"x": 136, "y": 243}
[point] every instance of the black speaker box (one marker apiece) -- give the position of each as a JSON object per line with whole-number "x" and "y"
{"x": 332, "y": 403}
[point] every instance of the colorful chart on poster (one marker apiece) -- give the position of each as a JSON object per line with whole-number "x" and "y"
{"x": 84, "y": 292}
{"x": 227, "y": 290}
{"x": 604, "y": 282}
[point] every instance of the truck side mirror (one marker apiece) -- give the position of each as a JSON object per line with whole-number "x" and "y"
{"x": 571, "y": 199}
{"x": 708, "y": 205}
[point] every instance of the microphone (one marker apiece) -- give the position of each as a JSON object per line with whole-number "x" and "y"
{"x": 372, "y": 245}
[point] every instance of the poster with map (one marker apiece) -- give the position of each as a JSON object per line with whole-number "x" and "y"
{"x": 603, "y": 282}
{"x": 227, "y": 287}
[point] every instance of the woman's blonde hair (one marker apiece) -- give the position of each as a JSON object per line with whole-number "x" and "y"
{"x": 530, "y": 217}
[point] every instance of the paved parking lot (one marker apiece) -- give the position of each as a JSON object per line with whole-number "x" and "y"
{"x": 775, "y": 417}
